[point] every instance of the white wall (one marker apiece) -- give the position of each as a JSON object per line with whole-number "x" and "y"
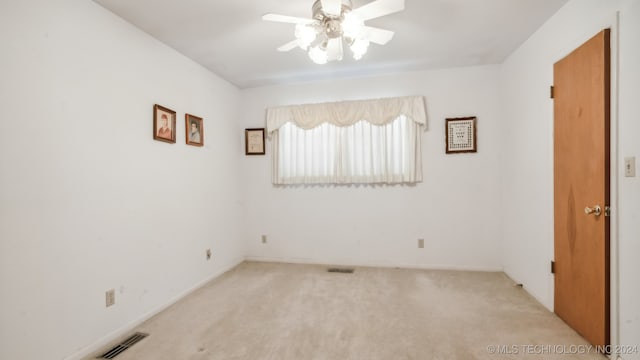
{"x": 88, "y": 200}
{"x": 456, "y": 209}
{"x": 528, "y": 150}
{"x": 629, "y": 188}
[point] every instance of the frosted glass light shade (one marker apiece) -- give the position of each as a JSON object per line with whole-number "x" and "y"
{"x": 352, "y": 26}
{"x": 359, "y": 48}
{"x": 305, "y": 35}
{"x": 318, "y": 55}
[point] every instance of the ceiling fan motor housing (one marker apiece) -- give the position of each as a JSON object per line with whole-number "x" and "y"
{"x": 332, "y": 24}
{"x": 333, "y": 28}
{"x": 318, "y": 14}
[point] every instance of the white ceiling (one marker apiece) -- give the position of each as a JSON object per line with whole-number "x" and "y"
{"x": 229, "y": 38}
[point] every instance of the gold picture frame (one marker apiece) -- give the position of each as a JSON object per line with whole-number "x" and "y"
{"x": 194, "y": 130}
{"x": 254, "y": 141}
{"x": 461, "y": 135}
{"x": 164, "y": 124}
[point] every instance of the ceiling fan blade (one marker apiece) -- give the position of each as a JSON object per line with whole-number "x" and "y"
{"x": 286, "y": 19}
{"x": 377, "y": 36}
{"x": 379, "y": 8}
{"x": 288, "y": 46}
{"x": 334, "y": 49}
{"x": 332, "y": 7}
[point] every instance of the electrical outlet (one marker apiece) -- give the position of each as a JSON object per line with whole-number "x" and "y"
{"x": 420, "y": 243}
{"x": 110, "y": 297}
{"x": 208, "y": 254}
{"x": 264, "y": 239}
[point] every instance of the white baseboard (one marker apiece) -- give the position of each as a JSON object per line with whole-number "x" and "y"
{"x": 528, "y": 291}
{"x": 114, "y": 335}
{"x": 374, "y": 264}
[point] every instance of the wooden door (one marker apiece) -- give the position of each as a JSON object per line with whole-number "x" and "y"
{"x": 581, "y": 182}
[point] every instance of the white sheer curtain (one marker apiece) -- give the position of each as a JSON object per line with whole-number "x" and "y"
{"x": 359, "y": 153}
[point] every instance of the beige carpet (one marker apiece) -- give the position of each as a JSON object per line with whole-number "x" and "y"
{"x": 297, "y": 312}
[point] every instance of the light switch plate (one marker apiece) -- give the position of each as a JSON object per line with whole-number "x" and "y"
{"x": 630, "y": 166}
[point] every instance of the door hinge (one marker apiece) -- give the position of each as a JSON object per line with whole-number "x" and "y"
{"x": 553, "y": 267}
{"x": 607, "y": 211}
{"x": 551, "y": 91}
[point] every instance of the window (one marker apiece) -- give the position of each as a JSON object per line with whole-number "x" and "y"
{"x": 346, "y": 152}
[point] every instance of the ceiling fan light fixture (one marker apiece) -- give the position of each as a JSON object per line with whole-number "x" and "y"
{"x": 359, "y": 47}
{"x": 352, "y": 26}
{"x": 318, "y": 55}
{"x": 305, "y": 35}
{"x": 334, "y": 24}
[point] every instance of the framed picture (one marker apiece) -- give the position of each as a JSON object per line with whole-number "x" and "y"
{"x": 194, "y": 130}
{"x": 164, "y": 124}
{"x": 461, "y": 135}
{"x": 254, "y": 141}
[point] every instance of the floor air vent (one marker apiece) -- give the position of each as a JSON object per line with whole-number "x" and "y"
{"x": 341, "y": 270}
{"x": 120, "y": 348}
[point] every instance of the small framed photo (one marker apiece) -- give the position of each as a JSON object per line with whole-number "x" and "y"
{"x": 194, "y": 130}
{"x": 164, "y": 124}
{"x": 461, "y": 135}
{"x": 254, "y": 141}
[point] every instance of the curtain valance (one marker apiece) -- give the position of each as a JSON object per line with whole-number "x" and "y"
{"x": 345, "y": 113}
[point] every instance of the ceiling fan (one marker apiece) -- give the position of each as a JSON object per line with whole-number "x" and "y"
{"x": 335, "y": 23}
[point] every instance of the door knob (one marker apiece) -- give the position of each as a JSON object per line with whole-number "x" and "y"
{"x": 596, "y": 210}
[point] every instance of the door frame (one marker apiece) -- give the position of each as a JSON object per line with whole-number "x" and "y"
{"x": 614, "y": 179}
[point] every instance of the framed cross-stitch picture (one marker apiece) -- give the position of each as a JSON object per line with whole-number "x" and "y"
{"x": 461, "y": 135}
{"x": 254, "y": 141}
